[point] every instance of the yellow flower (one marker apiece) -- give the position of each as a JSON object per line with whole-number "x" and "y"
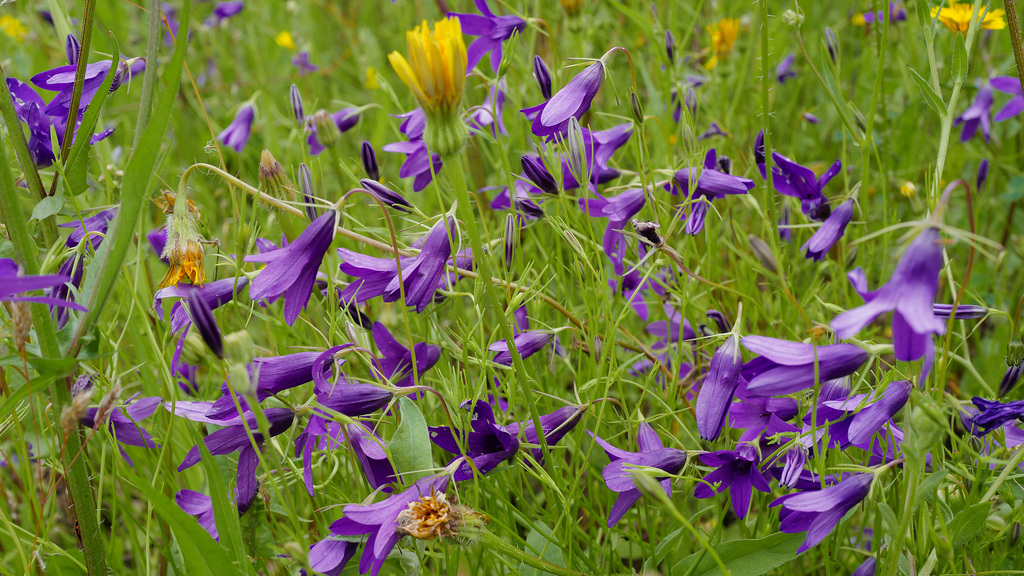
{"x": 957, "y": 17}
{"x": 858, "y": 20}
{"x": 284, "y": 40}
{"x": 13, "y": 28}
{"x": 436, "y": 69}
{"x": 184, "y": 247}
{"x": 572, "y": 7}
{"x": 723, "y": 36}
{"x": 371, "y": 79}
{"x": 908, "y": 189}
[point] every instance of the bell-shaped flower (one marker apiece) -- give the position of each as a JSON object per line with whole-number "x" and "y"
{"x": 551, "y": 118}
{"x": 978, "y": 114}
{"x": 786, "y": 367}
{"x": 826, "y": 236}
{"x": 718, "y": 388}
{"x": 618, "y": 210}
{"x": 487, "y": 445}
{"x": 796, "y": 181}
{"x": 124, "y": 424}
{"x": 818, "y": 512}
{"x": 491, "y": 30}
{"x": 201, "y": 506}
{"x": 737, "y": 471}
{"x": 396, "y": 360}
{"x": 554, "y": 426}
{"x": 706, "y": 184}
{"x": 236, "y": 135}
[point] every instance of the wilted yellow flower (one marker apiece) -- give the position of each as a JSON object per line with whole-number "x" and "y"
{"x": 908, "y": 189}
{"x": 572, "y": 7}
{"x": 434, "y": 516}
{"x": 957, "y": 17}
{"x": 13, "y": 28}
{"x": 184, "y": 248}
{"x": 371, "y": 79}
{"x": 285, "y": 40}
{"x": 723, "y": 36}
{"x": 436, "y": 74}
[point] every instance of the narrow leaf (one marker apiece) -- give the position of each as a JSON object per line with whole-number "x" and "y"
{"x": 967, "y": 523}
{"x": 960, "y": 63}
{"x": 934, "y": 100}
{"x": 743, "y": 557}
{"x": 76, "y": 167}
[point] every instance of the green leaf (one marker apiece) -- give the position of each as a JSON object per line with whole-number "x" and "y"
{"x": 410, "y": 446}
{"x": 928, "y": 486}
{"x": 743, "y": 557}
{"x": 76, "y": 167}
{"x": 541, "y": 542}
{"x": 960, "y": 63}
{"x": 967, "y": 523}
{"x": 924, "y": 14}
{"x": 934, "y": 100}
{"x": 837, "y": 94}
{"x": 889, "y": 516}
{"x": 662, "y": 549}
{"x": 48, "y": 206}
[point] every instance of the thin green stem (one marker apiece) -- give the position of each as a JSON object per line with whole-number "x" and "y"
{"x": 76, "y": 91}
{"x": 149, "y": 78}
{"x": 1010, "y": 7}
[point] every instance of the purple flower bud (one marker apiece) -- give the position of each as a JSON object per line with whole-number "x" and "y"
{"x": 833, "y": 44}
{"x": 72, "y": 47}
{"x": 718, "y": 388}
{"x": 529, "y": 208}
{"x": 982, "y": 173}
{"x": 202, "y": 318}
{"x": 691, "y": 101}
{"x": 385, "y": 194}
{"x": 543, "y": 76}
{"x": 534, "y": 169}
{"x": 759, "y": 148}
{"x": 297, "y": 107}
{"x": 369, "y": 158}
{"x": 963, "y": 311}
{"x": 720, "y": 320}
{"x": 784, "y": 70}
{"x": 785, "y": 232}
{"x": 670, "y": 46}
{"x": 306, "y": 186}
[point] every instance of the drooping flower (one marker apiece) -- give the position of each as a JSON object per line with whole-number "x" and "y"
{"x": 236, "y": 135}
{"x": 957, "y": 17}
{"x": 11, "y": 284}
{"x": 492, "y": 31}
{"x": 488, "y": 444}
{"x": 270, "y": 375}
{"x": 124, "y": 424}
{"x": 978, "y": 114}
{"x": 396, "y": 360}
{"x": 62, "y": 81}
{"x": 291, "y": 270}
{"x": 303, "y": 65}
{"x": 329, "y": 556}
{"x": 717, "y": 389}
{"x": 618, "y": 474}
{"x": 419, "y": 164}
{"x": 527, "y": 343}
{"x": 723, "y": 36}
{"x": 201, "y": 506}
{"x": 380, "y": 521}
{"x": 786, "y": 367}
{"x": 216, "y": 294}
{"x": 736, "y": 471}
{"x": 818, "y": 512}
{"x": 618, "y": 210}
{"x": 706, "y": 184}
{"x": 784, "y": 70}
{"x": 869, "y": 414}
{"x": 910, "y": 294}
{"x": 826, "y": 236}
{"x": 554, "y": 426}
{"x": 551, "y": 117}
{"x": 992, "y": 415}
{"x": 796, "y": 181}
{"x": 386, "y": 195}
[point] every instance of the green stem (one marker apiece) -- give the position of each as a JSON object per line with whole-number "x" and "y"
{"x": 1010, "y": 7}
{"x": 489, "y": 540}
{"x": 149, "y": 78}
{"x": 76, "y": 91}
{"x": 867, "y": 144}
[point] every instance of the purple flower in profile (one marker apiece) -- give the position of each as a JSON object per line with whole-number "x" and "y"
{"x": 270, "y": 375}
{"x": 491, "y": 31}
{"x": 618, "y": 210}
{"x": 868, "y": 417}
{"x": 215, "y": 294}
{"x": 826, "y": 236}
{"x": 672, "y": 330}
{"x": 345, "y": 119}
{"x": 707, "y": 184}
{"x": 977, "y": 115}
{"x": 321, "y": 433}
{"x": 527, "y": 343}
{"x": 221, "y": 12}
{"x": 784, "y": 70}
{"x": 910, "y": 294}
{"x": 124, "y": 424}
{"x": 490, "y": 112}
{"x": 201, "y": 506}
{"x": 291, "y": 270}
{"x": 736, "y": 471}
{"x": 329, "y": 556}
{"x": 551, "y": 118}
{"x": 554, "y": 427}
{"x": 421, "y": 274}
{"x": 796, "y": 181}
{"x": 236, "y": 135}
{"x": 618, "y": 474}
{"x": 1013, "y": 107}
{"x": 866, "y": 568}
{"x": 386, "y": 195}
{"x": 818, "y": 512}
{"x": 11, "y": 283}
{"x": 992, "y": 414}
{"x": 303, "y": 65}
{"x": 713, "y": 130}
{"x": 786, "y": 367}
{"x": 488, "y": 444}
{"x": 396, "y": 360}
{"x": 810, "y": 118}
{"x": 62, "y": 81}
{"x": 419, "y": 164}
{"x": 93, "y": 227}
{"x": 380, "y": 521}
{"x": 717, "y": 389}
{"x": 543, "y": 76}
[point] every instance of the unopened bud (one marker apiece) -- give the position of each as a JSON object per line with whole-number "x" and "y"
{"x": 308, "y": 196}
{"x": 649, "y": 232}
{"x": 982, "y": 174}
{"x": 577, "y": 151}
{"x": 239, "y": 347}
{"x": 670, "y": 46}
{"x": 543, "y": 76}
{"x": 1014, "y": 366}
{"x": 535, "y": 170}
{"x": 273, "y": 179}
{"x": 1015, "y": 530}
{"x": 386, "y": 195}
{"x": 238, "y": 376}
{"x": 859, "y": 119}
{"x": 511, "y": 231}
{"x": 327, "y": 132}
{"x": 202, "y": 320}
{"x": 194, "y": 351}
{"x": 574, "y": 243}
{"x": 832, "y": 43}
{"x": 297, "y": 108}
{"x": 759, "y": 148}
{"x": 72, "y": 48}
{"x": 638, "y": 109}
{"x": 506, "y": 57}
{"x": 792, "y": 19}
{"x": 529, "y": 208}
{"x": 369, "y": 158}
{"x": 21, "y": 324}
{"x": 763, "y": 253}
{"x": 851, "y": 257}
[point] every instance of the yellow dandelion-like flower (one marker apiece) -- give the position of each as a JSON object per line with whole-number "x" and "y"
{"x": 723, "y": 36}
{"x": 371, "y": 79}
{"x": 957, "y": 17}
{"x": 13, "y": 28}
{"x": 285, "y": 40}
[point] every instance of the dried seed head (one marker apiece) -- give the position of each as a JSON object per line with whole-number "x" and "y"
{"x": 75, "y": 411}
{"x": 433, "y": 517}
{"x": 327, "y": 132}
{"x": 273, "y": 179}
{"x": 21, "y": 324}
{"x": 107, "y": 405}
{"x": 649, "y": 232}
{"x": 763, "y": 253}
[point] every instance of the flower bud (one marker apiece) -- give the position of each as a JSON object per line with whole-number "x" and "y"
{"x": 386, "y": 195}
{"x": 273, "y": 179}
{"x": 759, "y": 148}
{"x": 649, "y": 232}
{"x": 297, "y": 108}
{"x": 763, "y": 253}
{"x": 184, "y": 248}
{"x": 638, "y": 109}
{"x": 534, "y": 169}
{"x": 670, "y": 46}
{"x": 72, "y": 48}
{"x": 506, "y": 57}
{"x": 369, "y": 158}
{"x": 1014, "y": 365}
{"x": 327, "y": 131}
{"x": 239, "y": 377}
{"x": 511, "y": 230}
{"x": 792, "y": 19}
{"x": 543, "y": 76}
{"x": 577, "y": 151}
{"x": 204, "y": 323}
{"x": 306, "y": 187}
{"x": 982, "y": 173}
{"x": 239, "y": 347}
{"x": 529, "y": 208}
{"x": 194, "y": 351}
{"x": 832, "y": 43}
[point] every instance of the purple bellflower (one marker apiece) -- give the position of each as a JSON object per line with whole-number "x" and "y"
{"x": 618, "y": 210}
{"x": 202, "y": 318}
{"x": 201, "y": 506}
{"x": 551, "y": 118}
{"x": 342, "y": 396}
{"x": 977, "y": 114}
{"x": 215, "y": 294}
{"x": 236, "y": 135}
{"x": 784, "y": 70}
{"x": 11, "y": 284}
{"x": 618, "y": 474}
{"x": 491, "y": 31}
{"x": 527, "y": 343}
{"x": 818, "y": 512}
{"x": 672, "y": 330}
{"x": 223, "y": 11}
{"x": 270, "y": 375}
{"x": 707, "y": 184}
{"x": 826, "y": 236}
{"x": 1009, "y": 85}
{"x": 123, "y": 424}
{"x": 291, "y": 270}
{"x": 736, "y": 471}
{"x": 380, "y": 521}
{"x": 488, "y": 444}
{"x": 786, "y": 367}
{"x": 718, "y": 388}
{"x": 757, "y": 415}
{"x": 395, "y": 362}
{"x": 792, "y": 179}
{"x": 910, "y": 294}
{"x": 303, "y": 65}
{"x": 421, "y": 274}
{"x": 554, "y": 426}
{"x": 329, "y": 556}
{"x": 62, "y": 80}
{"x": 992, "y": 415}
{"x": 345, "y": 119}
{"x": 418, "y": 162}
{"x": 92, "y": 227}
{"x": 386, "y": 195}
{"x": 321, "y": 433}
{"x": 490, "y": 112}
{"x": 864, "y": 419}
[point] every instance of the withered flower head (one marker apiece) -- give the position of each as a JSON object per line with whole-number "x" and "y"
{"x": 184, "y": 248}
{"x": 433, "y": 517}
{"x": 649, "y": 232}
